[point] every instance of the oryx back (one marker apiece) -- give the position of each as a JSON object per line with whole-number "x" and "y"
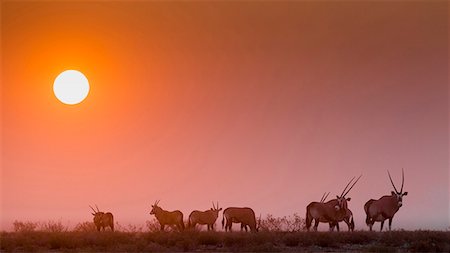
{"x": 103, "y": 220}
{"x": 243, "y": 215}
{"x": 323, "y": 212}
{"x": 332, "y": 211}
{"x": 385, "y": 207}
{"x": 207, "y": 217}
{"x": 168, "y": 217}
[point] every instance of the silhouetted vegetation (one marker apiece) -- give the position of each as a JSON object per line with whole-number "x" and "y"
{"x": 276, "y": 234}
{"x": 47, "y": 226}
{"x": 53, "y": 236}
{"x": 289, "y": 223}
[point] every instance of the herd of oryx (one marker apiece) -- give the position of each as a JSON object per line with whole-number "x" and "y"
{"x": 331, "y": 212}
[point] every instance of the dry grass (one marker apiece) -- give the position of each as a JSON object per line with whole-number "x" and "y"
{"x": 92, "y": 241}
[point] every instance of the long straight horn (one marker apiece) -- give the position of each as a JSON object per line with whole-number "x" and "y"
{"x": 217, "y": 205}
{"x": 392, "y": 182}
{"x": 97, "y": 207}
{"x": 92, "y": 209}
{"x": 352, "y": 185}
{"x": 326, "y": 196}
{"x": 403, "y": 180}
{"x": 321, "y": 199}
{"x": 213, "y": 205}
{"x": 157, "y": 202}
{"x": 342, "y": 194}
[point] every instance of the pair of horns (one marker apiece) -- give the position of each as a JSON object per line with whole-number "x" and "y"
{"x": 392, "y": 182}
{"x": 94, "y": 209}
{"x": 345, "y": 191}
{"x": 324, "y": 197}
{"x": 156, "y": 203}
{"x": 215, "y": 207}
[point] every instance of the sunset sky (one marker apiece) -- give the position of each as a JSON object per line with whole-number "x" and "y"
{"x": 261, "y": 104}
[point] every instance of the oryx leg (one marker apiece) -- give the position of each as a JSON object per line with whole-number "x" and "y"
{"x": 316, "y": 224}
{"x": 381, "y": 227}
{"x": 162, "y": 227}
{"x": 337, "y": 226}
{"x": 390, "y": 223}
{"x": 228, "y": 225}
{"x": 347, "y": 221}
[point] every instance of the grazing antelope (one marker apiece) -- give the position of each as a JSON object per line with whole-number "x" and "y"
{"x": 207, "y": 217}
{"x": 102, "y": 220}
{"x": 347, "y": 218}
{"x": 245, "y": 226}
{"x": 385, "y": 207}
{"x": 243, "y": 215}
{"x": 168, "y": 218}
{"x": 330, "y": 212}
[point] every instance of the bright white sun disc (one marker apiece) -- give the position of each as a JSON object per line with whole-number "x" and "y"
{"x": 71, "y": 87}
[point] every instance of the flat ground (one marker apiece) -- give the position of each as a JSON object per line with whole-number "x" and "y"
{"x": 395, "y": 241}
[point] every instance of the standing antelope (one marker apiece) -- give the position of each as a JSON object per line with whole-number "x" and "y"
{"x": 347, "y": 217}
{"x": 207, "y": 217}
{"x": 168, "y": 218}
{"x": 385, "y": 207}
{"x": 244, "y": 215}
{"x": 102, "y": 220}
{"x": 330, "y": 212}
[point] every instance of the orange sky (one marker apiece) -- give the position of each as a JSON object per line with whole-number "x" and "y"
{"x": 258, "y": 104}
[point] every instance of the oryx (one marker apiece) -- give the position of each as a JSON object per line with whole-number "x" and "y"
{"x": 243, "y": 215}
{"x": 347, "y": 217}
{"x": 245, "y": 226}
{"x": 168, "y": 218}
{"x": 207, "y": 217}
{"x": 102, "y": 220}
{"x": 330, "y": 212}
{"x": 385, "y": 207}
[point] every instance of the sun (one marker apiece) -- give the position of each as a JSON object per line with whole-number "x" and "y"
{"x": 71, "y": 87}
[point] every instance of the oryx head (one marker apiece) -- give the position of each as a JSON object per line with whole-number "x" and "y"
{"x": 398, "y": 194}
{"x": 155, "y": 208}
{"x": 342, "y": 200}
{"x": 97, "y": 215}
{"x": 216, "y": 208}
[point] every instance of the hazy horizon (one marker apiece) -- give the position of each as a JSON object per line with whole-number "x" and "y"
{"x": 259, "y": 104}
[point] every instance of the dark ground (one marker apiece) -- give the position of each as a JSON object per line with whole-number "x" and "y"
{"x": 396, "y": 241}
